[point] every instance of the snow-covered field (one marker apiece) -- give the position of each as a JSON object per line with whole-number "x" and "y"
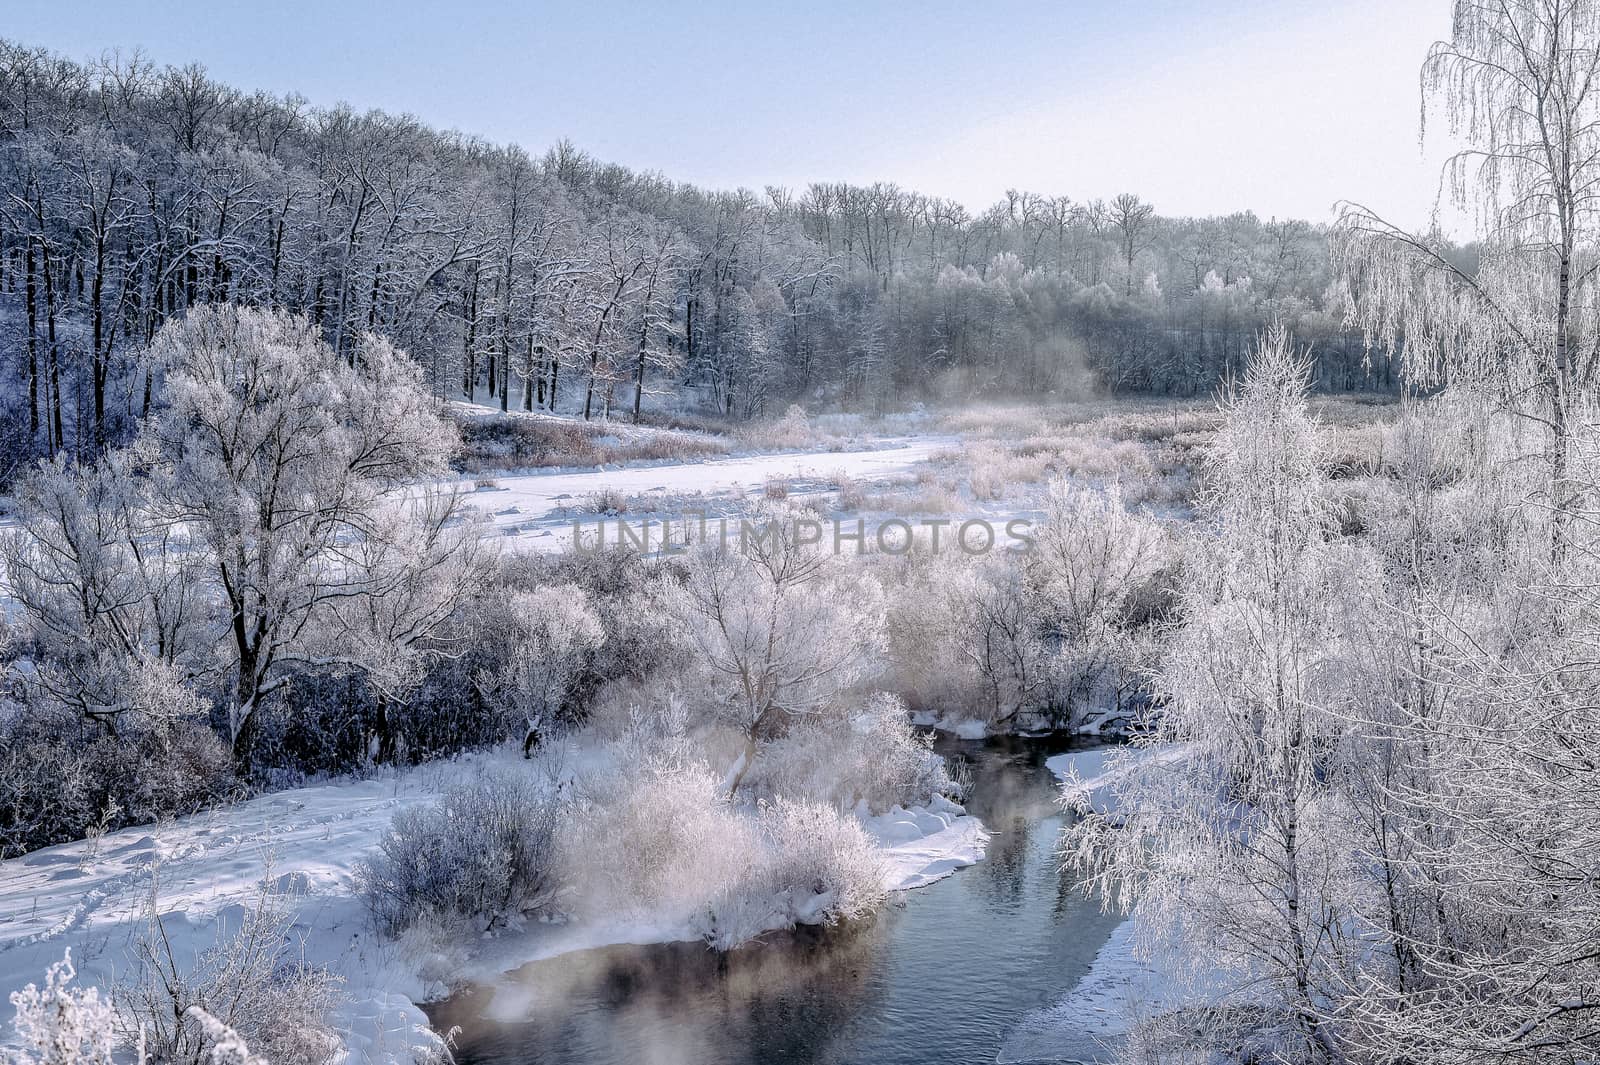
{"x": 538, "y": 509}
{"x": 200, "y": 874}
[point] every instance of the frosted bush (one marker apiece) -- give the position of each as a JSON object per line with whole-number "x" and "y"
{"x": 483, "y": 856}
{"x": 1090, "y": 554}
{"x": 781, "y": 630}
{"x": 655, "y": 842}
{"x": 553, "y": 634}
{"x": 792, "y": 430}
{"x": 994, "y": 468}
{"x": 609, "y": 501}
{"x": 852, "y": 497}
{"x": 61, "y": 777}
{"x": 814, "y": 866}
{"x": 626, "y": 591}
{"x": 875, "y": 757}
{"x": 247, "y": 987}
{"x": 969, "y": 634}
{"x": 925, "y": 595}
{"x": 663, "y": 843}
{"x": 62, "y": 1025}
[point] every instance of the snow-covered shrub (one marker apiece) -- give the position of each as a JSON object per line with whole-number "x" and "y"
{"x": 63, "y": 1025}
{"x": 792, "y": 430}
{"x": 248, "y": 988}
{"x": 1111, "y": 679}
{"x": 1101, "y": 577}
{"x": 552, "y": 633}
{"x": 814, "y": 865}
{"x": 852, "y": 497}
{"x": 874, "y": 756}
{"x": 925, "y": 593}
{"x": 662, "y": 842}
{"x": 482, "y": 856}
{"x": 504, "y": 662}
{"x": 1090, "y": 555}
{"x": 626, "y": 590}
{"x": 654, "y": 841}
{"x": 966, "y": 637}
{"x": 228, "y": 1047}
{"x": 994, "y": 468}
{"x": 609, "y": 501}
{"x": 60, "y": 776}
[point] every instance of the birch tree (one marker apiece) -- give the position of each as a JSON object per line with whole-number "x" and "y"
{"x": 1233, "y": 852}
{"x": 1518, "y": 87}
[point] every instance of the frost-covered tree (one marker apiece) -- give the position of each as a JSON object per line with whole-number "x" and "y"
{"x": 1519, "y": 85}
{"x": 781, "y": 628}
{"x": 1472, "y": 781}
{"x": 288, "y": 464}
{"x": 277, "y": 513}
{"x": 1232, "y": 850}
{"x": 109, "y": 591}
{"x": 1094, "y": 573}
{"x": 554, "y": 635}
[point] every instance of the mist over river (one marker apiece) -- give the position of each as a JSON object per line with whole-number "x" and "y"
{"x": 942, "y": 976}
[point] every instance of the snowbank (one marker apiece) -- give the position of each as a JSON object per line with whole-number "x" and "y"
{"x": 965, "y": 728}
{"x": 926, "y": 843}
{"x": 1095, "y": 774}
{"x": 1120, "y": 990}
{"x": 96, "y": 897}
{"x": 1087, "y": 1025}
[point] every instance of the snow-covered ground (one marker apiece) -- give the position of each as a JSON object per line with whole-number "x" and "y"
{"x": 1087, "y": 1025}
{"x": 1122, "y": 986}
{"x": 1094, "y": 775}
{"x": 538, "y": 509}
{"x": 202, "y": 873}
{"x": 925, "y": 844}
{"x": 1125, "y": 986}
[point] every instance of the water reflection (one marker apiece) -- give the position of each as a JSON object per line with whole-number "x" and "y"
{"x": 939, "y": 977}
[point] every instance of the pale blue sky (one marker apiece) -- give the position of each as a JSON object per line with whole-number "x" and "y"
{"x": 1283, "y": 106}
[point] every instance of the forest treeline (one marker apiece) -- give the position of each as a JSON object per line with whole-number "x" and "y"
{"x": 132, "y": 192}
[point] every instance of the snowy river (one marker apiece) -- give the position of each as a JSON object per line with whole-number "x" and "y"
{"x": 945, "y": 975}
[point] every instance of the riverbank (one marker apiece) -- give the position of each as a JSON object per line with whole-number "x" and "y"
{"x": 944, "y": 974}
{"x": 201, "y": 874}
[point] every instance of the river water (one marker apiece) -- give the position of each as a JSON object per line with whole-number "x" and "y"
{"x": 942, "y": 976}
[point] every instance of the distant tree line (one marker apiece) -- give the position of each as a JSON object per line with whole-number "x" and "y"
{"x": 132, "y": 192}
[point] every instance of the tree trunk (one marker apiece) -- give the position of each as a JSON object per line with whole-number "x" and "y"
{"x": 31, "y": 297}
{"x": 55, "y": 361}
{"x": 638, "y": 381}
{"x": 527, "y": 379}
